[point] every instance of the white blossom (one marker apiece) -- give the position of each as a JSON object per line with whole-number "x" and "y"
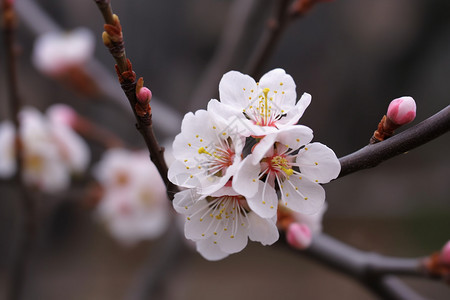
{"x": 134, "y": 206}
{"x": 207, "y": 152}
{"x": 222, "y": 223}
{"x": 296, "y": 169}
{"x": 264, "y": 107}
{"x": 56, "y": 52}
{"x": 52, "y": 152}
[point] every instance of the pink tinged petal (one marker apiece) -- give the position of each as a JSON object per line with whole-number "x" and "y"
{"x": 294, "y": 137}
{"x": 62, "y": 114}
{"x": 265, "y": 201}
{"x": 299, "y": 236}
{"x": 281, "y": 87}
{"x": 73, "y": 149}
{"x": 318, "y": 162}
{"x": 302, "y": 195}
{"x": 246, "y": 181}
{"x": 445, "y": 254}
{"x": 295, "y": 113}
{"x": 260, "y": 150}
{"x": 237, "y": 89}
{"x": 262, "y": 230}
{"x": 210, "y": 250}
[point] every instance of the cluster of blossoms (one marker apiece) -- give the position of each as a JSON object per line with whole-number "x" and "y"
{"x": 242, "y": 158}
{"x": 52, "y": 151}
{"x": 131, "y": 208}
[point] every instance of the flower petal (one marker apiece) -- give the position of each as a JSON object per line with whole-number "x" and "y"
{"x": 210, "y": 250}
{"x": 265, "y": 201}
{"x": 182, "y": 175}
{"x": 235, "y": 238}
{"x": 318, "y": 162}
{"x": 294, "y": 137}
{"x": 246, "y": 181}
{"x": 201, "y": 224}
{"x": 184, "y": 201}
{"x": 295, "y": 113}
{"x": 281, "y": 88}
{"x": 262, "y": 230}
{"x": 264, "y": 145}
{"x": 236, "y": 89}
{"x": 302, "y": 195}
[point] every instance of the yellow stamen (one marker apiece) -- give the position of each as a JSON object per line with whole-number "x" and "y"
{"x": 288, "y": 172}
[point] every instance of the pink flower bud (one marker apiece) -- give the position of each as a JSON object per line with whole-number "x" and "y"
{"x": 402, "y": 110}
{"x": 445, "y": 254}
{"x": 299, "y": 236}
{"x": 144, "y": 95}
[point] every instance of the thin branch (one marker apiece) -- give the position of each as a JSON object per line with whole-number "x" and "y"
{"x": 237, "y": 20}
{"x": 266, "y": 45}
{"x": 284, "y": 13}
{"x": 372, "y": 155}
{"x": 360, "y": 264}
{"x": 113, "y": 39}
{"x": 28, "y": 218}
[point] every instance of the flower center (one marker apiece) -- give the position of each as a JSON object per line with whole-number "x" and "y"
{"x": 219, "y": 160}
{"x": 34, "y": 162}
{"x": 279, "y": 163}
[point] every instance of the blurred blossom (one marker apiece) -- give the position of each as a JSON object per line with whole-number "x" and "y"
{"x": 51, "y": 151}
{"x": 314, "y": 221}
{"x": 134, "y": 206}
{"x": 300, "y": 228}
{"x": 445, "y": 254}
{"x": 56, "y": 52}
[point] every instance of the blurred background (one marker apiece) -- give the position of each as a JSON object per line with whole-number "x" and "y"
{"x": 352, "y": 56}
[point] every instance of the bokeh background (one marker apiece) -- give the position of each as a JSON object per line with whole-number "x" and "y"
{"x": 353, "y": 56}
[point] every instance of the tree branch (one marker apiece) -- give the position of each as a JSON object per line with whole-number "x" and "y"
{"x": 372, "y": 155}
{"x": 371, "y": 269}
{"x": 284, "y": 13}
{"x": 113, "y": 39}
{"x": 168, "y": 121}
{"x": 237, "y": 19}
{"x": 276, "y": 25}
{"x": 28, "y": 218}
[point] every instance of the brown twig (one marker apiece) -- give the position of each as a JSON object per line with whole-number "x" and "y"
{"x": 28, "y": 224}
{"x": 285, "y": 12}
{"x": 113, "y": 40}
{"x": 372, "y": 155}
{"x": 238, "y": 19}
